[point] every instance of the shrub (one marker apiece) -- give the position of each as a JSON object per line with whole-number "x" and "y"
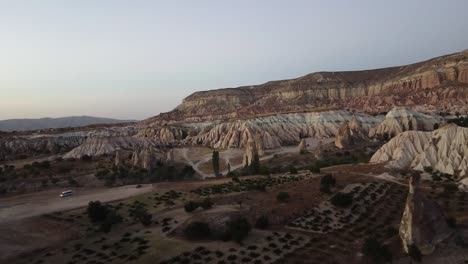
{"x": 215, "y": 161}
{"x": 111, "y": 218}
{"x": 197, "y": 230}
{"x": 292, "y": 169}
{"x": 96, "y": 211}
{"x": 262, "y": 222}
{"x": 282, "y": 197}
{"x": 191, "y": 206}
{"x": 342, "y": 200}
{"x": 238, "y": 229}
{"x": 206, "y": 203}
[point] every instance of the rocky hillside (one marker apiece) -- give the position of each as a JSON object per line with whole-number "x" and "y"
{"x": 438, "y": 84}
{"x": 45, "y": 123}
{"x": 444, "y": 150}
{"x": 268, "y": 131}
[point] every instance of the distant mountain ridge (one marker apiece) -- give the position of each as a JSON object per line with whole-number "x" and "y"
{"x": 438, "y": 84}
{"x": 60, "y": 122}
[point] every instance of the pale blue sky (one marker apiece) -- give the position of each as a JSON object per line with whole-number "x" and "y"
{"x": 135, "y": 59}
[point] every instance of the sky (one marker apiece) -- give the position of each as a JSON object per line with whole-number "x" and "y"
{"x": 134, "y": 59}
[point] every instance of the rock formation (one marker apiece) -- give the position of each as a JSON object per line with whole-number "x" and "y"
{"x": 276, "y": 130}
{"x": 423, "y": 223}
{"x": 401, "y": 119}
{"x": 251, "y": 150}
{"x": 146, "y": 158}
{"x": 445, "y": 150}
{"x": 302, "y": 146}
{"x": 119, "y": 158}
{"x": 108, "y": 145}
{"x": 54, "y": 143}
{"x": 350, "y": 133}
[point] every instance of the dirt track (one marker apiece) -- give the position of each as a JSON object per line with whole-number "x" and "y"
{"x": 29, "y": 205}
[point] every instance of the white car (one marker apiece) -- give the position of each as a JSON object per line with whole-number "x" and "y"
{"x": 66, "y": 193}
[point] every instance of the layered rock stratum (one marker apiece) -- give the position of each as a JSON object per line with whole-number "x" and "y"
{"x": 444, "y": 149}
{"x": 438, "y": 84}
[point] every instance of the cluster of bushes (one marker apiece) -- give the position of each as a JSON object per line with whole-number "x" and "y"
{"x": 135, "y": 175}
{"x": 140, "y": 213}
{"x": 326, "y": 182}
{"x": 236, "y": 229}
{"x": 342, "y": 199}
{"x": 437, "y": 175}
{"x": 103, "y": 214}
{"x": 191, "y": 206}
{"x": 236, "y": 185}
{"x": 346, "y": 158}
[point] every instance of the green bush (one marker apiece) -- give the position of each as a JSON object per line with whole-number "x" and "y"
{"x": 111, "y": 219}
{"x": 206, "y": 203}
{"x": 342, "y": 200}
{"x": 238, "y": 229}
{"x": 292, "y": 169}
{"x": 282, "y": 197}
{"x": 97, "y": 212}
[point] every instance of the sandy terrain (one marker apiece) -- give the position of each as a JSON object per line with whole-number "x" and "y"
{"x": 24, "y": 206}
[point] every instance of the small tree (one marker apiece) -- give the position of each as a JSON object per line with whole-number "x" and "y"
{"x": 96, "y": 211}
{"x": 206, "y": 203}
{"x": 191, "y": 206}
{"x": 215, "y": 161}
{"x": 238, "y": 229}
{"x": 254, "y": 166}
{"x": 111, "y": 219}
{"x": 141, "y": 214}
{"x": 342, "y": 200}
{"x": 282, "y": 197}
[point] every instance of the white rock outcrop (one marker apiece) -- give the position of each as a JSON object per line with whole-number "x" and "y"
{"x": 277, "y": 130}
{"x": 146, "y": 158}
{"x": 401, "y": 119}
{"x": 109, "y": 145}
{"x": 350, "y": 133}
{"x": 445, "y": 150}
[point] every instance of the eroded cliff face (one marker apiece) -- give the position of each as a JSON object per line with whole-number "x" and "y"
{"x": 350, "y": 133}
{"x": 110, "y": 145}
{"x": 436, "y": 84}
{"x": 29, "y": 145}
{"x": 277, "y": 130}
{"x": 445, "y": 150}
{"x": 423, "y": 223}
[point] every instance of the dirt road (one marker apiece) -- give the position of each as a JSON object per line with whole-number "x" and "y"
{"x": 28, "y": 205}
